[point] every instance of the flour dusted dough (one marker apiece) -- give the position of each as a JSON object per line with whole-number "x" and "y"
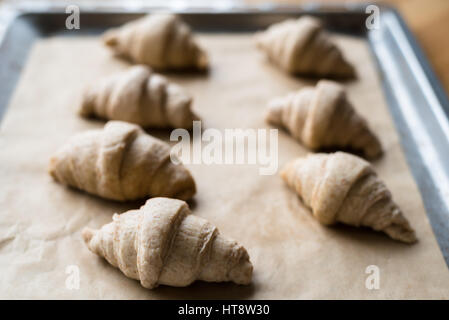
{"x": 160, "y": 40}
{"x": 140, "y": 96}
{"x": 303, "y": 47}
{"x": 323, "y": 117}
{"x": 121, "y": 162}
{"x": 161, "y": 243}
{"x": 340, "y": 187}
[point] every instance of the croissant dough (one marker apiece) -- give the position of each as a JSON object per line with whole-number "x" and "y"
{"x": 140, "y": 96}
{"x": 322, "y": 117}
{"x": 303, "y": 47}
{"x": 160, "y": 40}
{"x": 161, "y": 243}
{"x": 340, "y": 187}
{"x": 121, "y": 162}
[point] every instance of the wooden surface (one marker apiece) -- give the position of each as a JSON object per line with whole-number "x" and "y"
{"x": 429, "y": 21}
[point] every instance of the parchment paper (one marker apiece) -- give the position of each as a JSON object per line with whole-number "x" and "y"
{"x": 294, "y": 256}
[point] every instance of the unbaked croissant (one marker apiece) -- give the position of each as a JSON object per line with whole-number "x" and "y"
{"x": 303, "y": 47}
{"x": 121, "y": 162}
{"x": 340, "y": 187}
{"x": 322, "y": 117}
{"x": 140, "y": 96}
{"x": 161, "y": 41}
{"x": 161, "y": 243}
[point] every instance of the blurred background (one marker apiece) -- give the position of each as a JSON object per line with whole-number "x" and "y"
{"x": 428, "y": 19}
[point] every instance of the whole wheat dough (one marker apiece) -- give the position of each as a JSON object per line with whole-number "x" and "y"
{"x": 303, "y": 47}
{"x": 322, "y": 117}
{"x": 340, "y": 187}
{"x": 140, "y": 96}
{"x": 161, "y": 243}
{"x": 159, "y": 40}
{"x": 121, "y": 162}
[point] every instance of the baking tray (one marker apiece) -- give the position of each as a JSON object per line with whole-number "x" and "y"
{"x": 416, "y": 99}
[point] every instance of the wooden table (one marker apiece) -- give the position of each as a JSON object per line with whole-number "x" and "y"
{"x": 429, "y": 21}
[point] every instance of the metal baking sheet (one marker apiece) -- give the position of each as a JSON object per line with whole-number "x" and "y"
{"x": 416, "y": 99}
